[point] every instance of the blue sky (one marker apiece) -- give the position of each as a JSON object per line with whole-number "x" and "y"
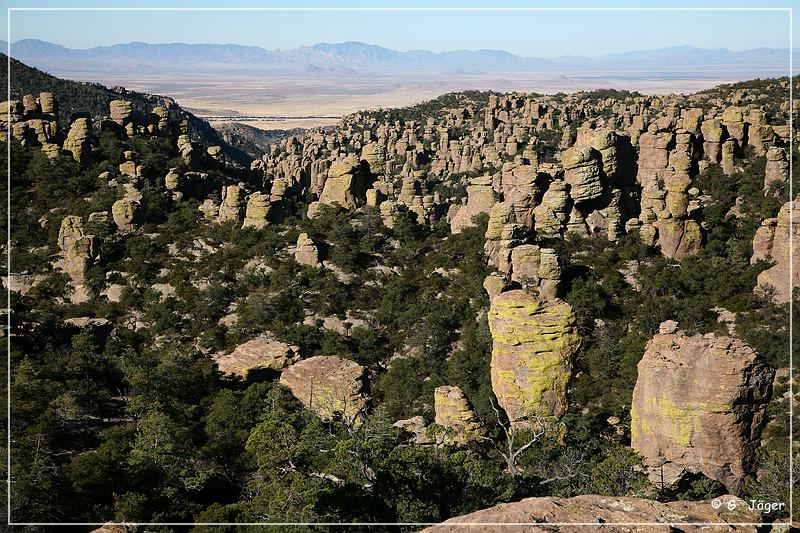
{"x": 541, "y": 34}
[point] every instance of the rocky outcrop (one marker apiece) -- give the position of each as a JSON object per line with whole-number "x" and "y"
{"x": 306, "y": 252}
{"x": 257, "y": 212}
{"x": 678, "y": 238}
{"x": 264, "y": 352}
{"x": 665, "y": 174}
{"x": 111, "y": 527}
{"x": 330, "y": 386}
{"x": 78, "y": 139}
{"x": 610, "y": 514}
{"x": 345, "y": 185}
{"x": 230, "y": 209}
{"x": 455, "y": 415}
{"x": 124, "y": 212}
{"x": 522, "y": 189}
{"x": 374, "y": 156}
{"x": 480, "y": 199}
{"x": 582, "y": 173}
{"x": 416, "y": 426}
{"x": 120, "y": 112}
{"x": 771, "y": 243}
{"x": 78, "y": 249}
{"x": 698, "y": 406}
{"x": 777, "y": 167}
{"x": 551, "y": 215}
{"x": 533, "y": 342}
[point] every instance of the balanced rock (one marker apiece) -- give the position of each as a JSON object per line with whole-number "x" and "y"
{"x": 533, "y": 341}
{"x": 264, "y": 352}
{"x": 306, "y": 252}
{"x": 124, "y": 212}
{"x": 698, "y": 406}
{"x": 330, "y": 386}
{"x": 455, "y": 415}
{"x": 582, "y": 173}
{"x": 48, "y": 104}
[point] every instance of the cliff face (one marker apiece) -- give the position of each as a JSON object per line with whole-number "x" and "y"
{"x": 698, "y": 406}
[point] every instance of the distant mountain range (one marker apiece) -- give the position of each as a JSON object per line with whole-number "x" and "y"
{"x": 350, "y": 57}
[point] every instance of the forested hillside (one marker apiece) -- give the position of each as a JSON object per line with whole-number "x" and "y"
{"x": 415, "y": 315}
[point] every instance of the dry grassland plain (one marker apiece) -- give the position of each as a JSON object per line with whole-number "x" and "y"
{"x": 273, "y": 100}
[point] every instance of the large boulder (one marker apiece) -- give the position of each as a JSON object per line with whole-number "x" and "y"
{"x": 330, "y": 386}
{"x": 582, "y": 170}
{"x": 374, "y": 155}
{"x": 611, "y": 514}
{"x": 306, "y": 252}
{"x": 120, "y": 111}
{"x": 551, "y": 215}
{"x": 533, "y": 344}
{"x": 776, "y": 169}
{"x": 257, "y": 211}
{"x": 698, "y": 406}
{"x": 264, "y": 352}
{"x": 456, "y": 416}
{"x": 677, "y": 238}
{"x": 124, "y": 211}
{"x": 78, "y": 139}
{"x": 231, "y": 206}
{"x": 345, "y": 185}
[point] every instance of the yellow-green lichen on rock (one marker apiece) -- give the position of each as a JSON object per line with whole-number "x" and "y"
{"x": 698, "y": 406}
{"x": 533, "y": 344}
{"x": 456, "y": 416}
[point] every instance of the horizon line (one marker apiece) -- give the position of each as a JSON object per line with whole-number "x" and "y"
{"x": 410, "y": 50}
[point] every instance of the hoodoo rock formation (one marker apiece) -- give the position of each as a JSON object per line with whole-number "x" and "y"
{"x": 534, "y": 340}
{"x": 369, "y": 239}
{"x": 306, "y": 252}
{"x": 78, "y": 249}
{"x": 772, "y": 243}
{"x": 698, "y": 406}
